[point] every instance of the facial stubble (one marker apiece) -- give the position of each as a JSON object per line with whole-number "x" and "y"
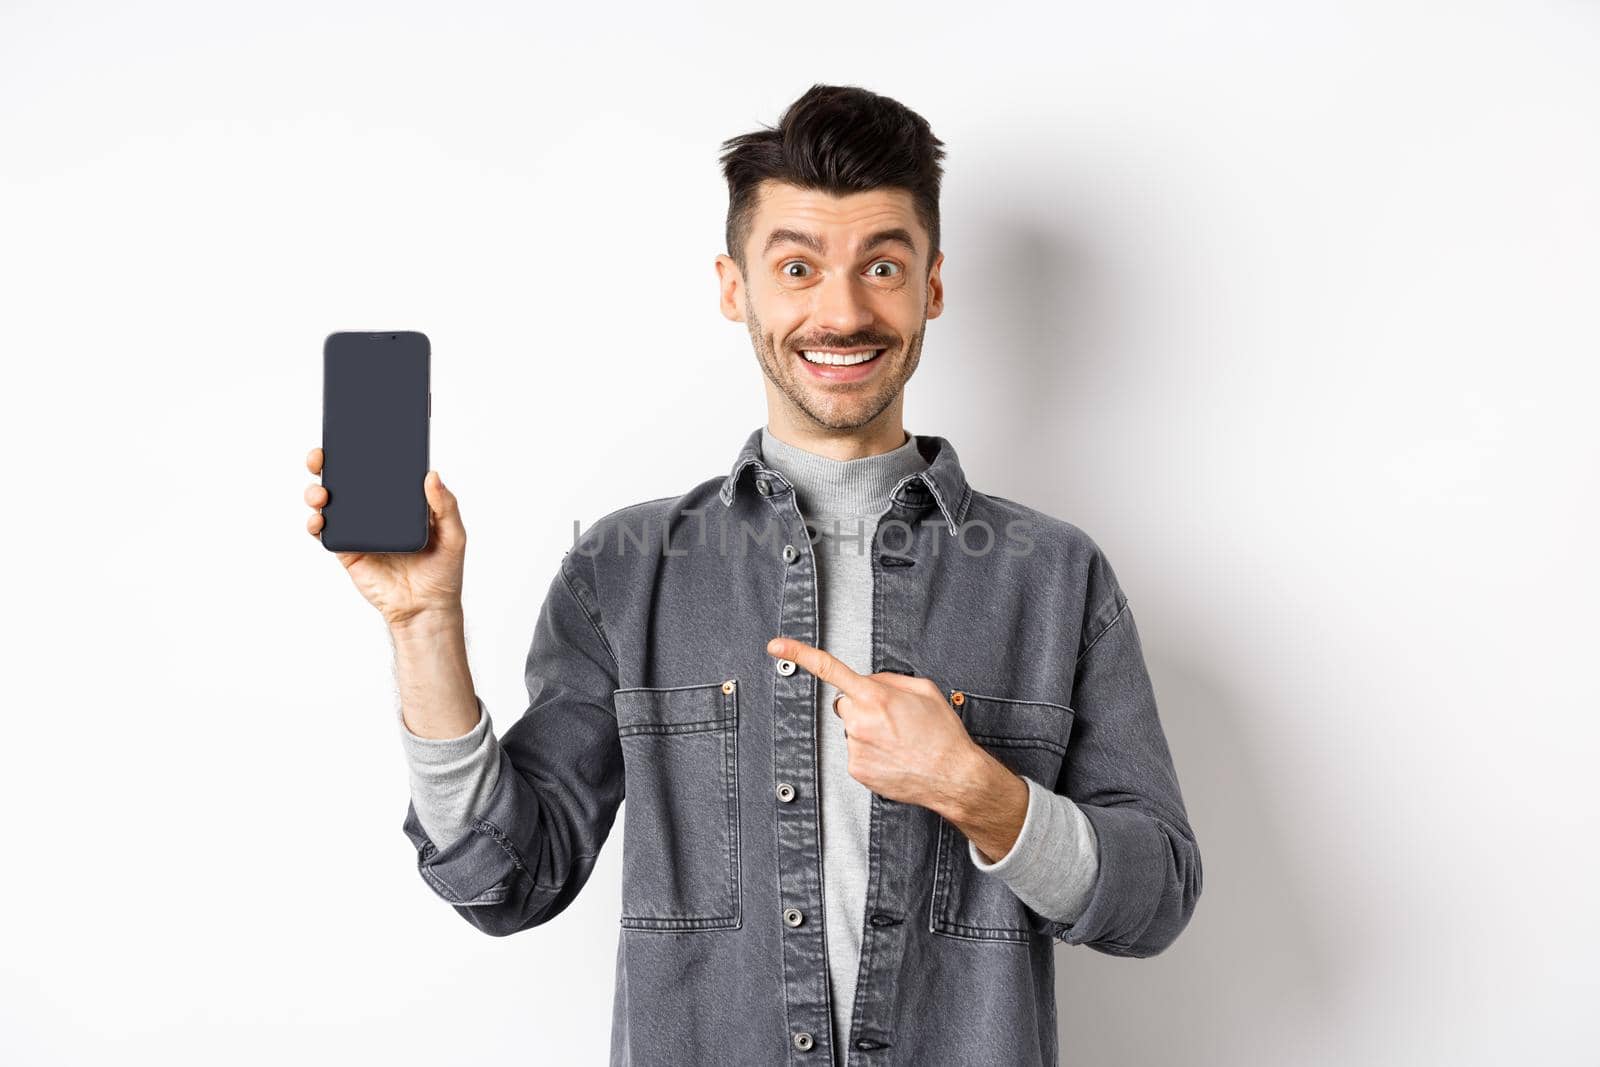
{"x": 819, "y": 406}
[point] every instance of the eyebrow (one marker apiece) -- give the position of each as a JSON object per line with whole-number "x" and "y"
{"x": 894, "y": 235}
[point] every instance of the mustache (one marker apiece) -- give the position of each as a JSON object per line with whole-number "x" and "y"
{"x": 860, "y": 342}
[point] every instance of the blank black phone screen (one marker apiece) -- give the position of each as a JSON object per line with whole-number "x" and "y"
{"x": 375, "y": 413}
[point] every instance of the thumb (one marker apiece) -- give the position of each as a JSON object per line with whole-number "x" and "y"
{"x": 442, "y": 503}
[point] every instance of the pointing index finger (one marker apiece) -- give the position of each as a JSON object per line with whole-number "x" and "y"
{"x": 822, "y": 665}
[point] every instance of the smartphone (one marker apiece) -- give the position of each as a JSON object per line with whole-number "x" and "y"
{"x": 376, "y": 406}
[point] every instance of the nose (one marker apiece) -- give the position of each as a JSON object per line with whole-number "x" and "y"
{"x": 839, "y": 308}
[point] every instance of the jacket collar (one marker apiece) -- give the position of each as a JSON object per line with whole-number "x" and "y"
{"x": 943, "y": 477}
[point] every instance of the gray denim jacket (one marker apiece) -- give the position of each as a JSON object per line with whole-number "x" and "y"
{"x": 648, "y": 677}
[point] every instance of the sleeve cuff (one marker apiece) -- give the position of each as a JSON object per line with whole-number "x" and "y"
{"x": 1053, "y": 864}
{"x": 433, "y": 751}
{"x": 451, "y": 778}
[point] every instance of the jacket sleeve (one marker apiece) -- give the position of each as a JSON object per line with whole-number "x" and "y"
{"x": 1120, "y": 773}
{"x": 533, "y": 843}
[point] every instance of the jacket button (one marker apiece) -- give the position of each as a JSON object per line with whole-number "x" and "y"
{"x": 792, "y": 916}
{"x": 957, "y": 697}
{"x": 763, "y": 486}
{"x": 785, "y": 792}
{"x": 786, "y": 666}
{"x": 802, "y": 1041}
{"x": 727, "y": 687}
{"x": 790, "y": 553}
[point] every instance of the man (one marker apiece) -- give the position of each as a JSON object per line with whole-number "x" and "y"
{"x": 885, "y": 738}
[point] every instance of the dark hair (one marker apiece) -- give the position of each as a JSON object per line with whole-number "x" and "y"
{"x": 839, "y": 139}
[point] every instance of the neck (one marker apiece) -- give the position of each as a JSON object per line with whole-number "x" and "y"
{"x": 882, "y": 434}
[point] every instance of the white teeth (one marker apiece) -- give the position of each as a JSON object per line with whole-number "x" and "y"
{"x": 840, "y": 359}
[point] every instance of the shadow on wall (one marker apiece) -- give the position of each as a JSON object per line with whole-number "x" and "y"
{"x": 1251, "y": 959}
{"x": 1032, "y": 322}
{"x": 1062, "y": 334}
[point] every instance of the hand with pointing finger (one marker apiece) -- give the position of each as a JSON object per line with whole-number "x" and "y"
{"x": 905, "y": 741}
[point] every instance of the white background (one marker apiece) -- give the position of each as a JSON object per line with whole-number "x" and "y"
{"x": 1291, "y": 306}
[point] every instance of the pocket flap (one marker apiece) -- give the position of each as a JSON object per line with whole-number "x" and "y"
{"x": 675, "y": 709}
{"x": 1004, "y": 721}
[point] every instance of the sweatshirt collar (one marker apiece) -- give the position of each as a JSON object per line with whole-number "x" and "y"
{"x": 827, "y": 487}
{"x": 942, "y": 479}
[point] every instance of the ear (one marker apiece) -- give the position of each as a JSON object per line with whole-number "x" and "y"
{"x": 935, "y": 288}
{"x": 730, "y": 283}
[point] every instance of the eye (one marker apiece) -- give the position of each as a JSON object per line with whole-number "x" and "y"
{"x": 794, "y": 263}
{"x": 886, "y": 263}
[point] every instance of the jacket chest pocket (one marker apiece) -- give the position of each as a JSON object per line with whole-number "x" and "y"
{"x": 1030, "y": 737}
{"x": 680, "y": 854}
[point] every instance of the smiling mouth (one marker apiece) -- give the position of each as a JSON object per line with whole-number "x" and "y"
{"x": 841, "y": 359}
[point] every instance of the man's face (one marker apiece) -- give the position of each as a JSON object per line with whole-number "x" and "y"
{"x": 834, "y": 274}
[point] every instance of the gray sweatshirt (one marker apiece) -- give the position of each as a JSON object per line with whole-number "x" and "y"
{"x": 1051, "y": 867}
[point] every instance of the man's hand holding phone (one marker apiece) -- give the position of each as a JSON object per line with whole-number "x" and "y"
{"x": 405, "y": 587}
{"x": 419, "y": 596}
